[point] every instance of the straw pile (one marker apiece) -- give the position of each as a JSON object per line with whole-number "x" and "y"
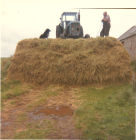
{"x": 70, "y": 61}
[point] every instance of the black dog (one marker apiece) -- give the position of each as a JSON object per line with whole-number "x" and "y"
{"x": 45, "y": 34}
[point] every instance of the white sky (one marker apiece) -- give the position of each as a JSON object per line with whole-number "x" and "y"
{"x": 29, "y": 18}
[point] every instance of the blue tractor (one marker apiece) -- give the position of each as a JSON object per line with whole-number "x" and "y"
{"x": 69, "y": 26}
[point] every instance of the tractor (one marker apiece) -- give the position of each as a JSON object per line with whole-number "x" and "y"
{"x": 69, "y": 26}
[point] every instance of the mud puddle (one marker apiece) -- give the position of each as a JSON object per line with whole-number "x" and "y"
{"x": 55, "y": 110}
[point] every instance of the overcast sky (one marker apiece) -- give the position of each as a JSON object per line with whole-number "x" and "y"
{"x": 29, "y": 18}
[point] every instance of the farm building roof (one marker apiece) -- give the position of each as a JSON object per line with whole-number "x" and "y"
{"x": 130, "y": 32}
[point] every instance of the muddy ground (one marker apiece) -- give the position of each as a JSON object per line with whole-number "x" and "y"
{"x": 57, "y": 109}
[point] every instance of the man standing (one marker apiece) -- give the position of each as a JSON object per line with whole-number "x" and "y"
{"x": 106, "y": 25}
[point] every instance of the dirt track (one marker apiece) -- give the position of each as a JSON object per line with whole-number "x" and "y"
{"x": 57, "y": 109}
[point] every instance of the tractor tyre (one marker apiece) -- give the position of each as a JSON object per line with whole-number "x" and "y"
{"x": 58, "y": 31}
{"x": 81, "y": 31}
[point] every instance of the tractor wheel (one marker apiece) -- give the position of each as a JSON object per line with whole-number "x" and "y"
{"x": 58, "y": 31}
{"x": 87, "y": 36}
{"x": 81, "y": 31}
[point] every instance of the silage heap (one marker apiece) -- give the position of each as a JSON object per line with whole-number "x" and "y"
{"x": 71, "y": 61}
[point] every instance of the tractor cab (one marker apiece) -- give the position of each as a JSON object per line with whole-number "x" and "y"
{"x": 68, "y": 17}
{"x": 69, "y": 26}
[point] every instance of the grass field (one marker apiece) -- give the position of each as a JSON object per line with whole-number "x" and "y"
{"x": 107, "y": 113}
{"x": 100, "y": 113}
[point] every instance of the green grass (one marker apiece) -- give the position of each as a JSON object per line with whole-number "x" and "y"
{"x": 31, "y": 134}
{"x": 43, "y": 96}
{"x": 39, "y": 130}
{"x": 8, "y": 84}
{"x": 5, "y": 63}
{"x": 106, "y": 113}
{"x": 12, "y": 89}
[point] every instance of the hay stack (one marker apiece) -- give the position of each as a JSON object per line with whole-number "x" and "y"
{"x": 70, "y": 61}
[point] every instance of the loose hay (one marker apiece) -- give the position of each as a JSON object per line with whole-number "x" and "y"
{"x": 71, "y": 61}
